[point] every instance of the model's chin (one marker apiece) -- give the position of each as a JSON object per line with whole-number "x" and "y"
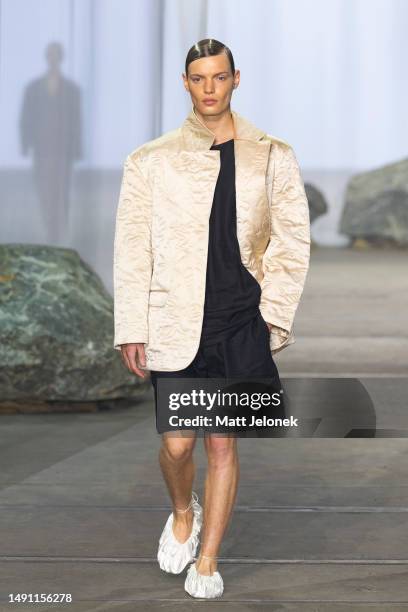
{"x": 210, "y": 109}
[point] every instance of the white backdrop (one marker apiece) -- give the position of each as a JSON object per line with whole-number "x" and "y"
{"x": 328, "y": 76}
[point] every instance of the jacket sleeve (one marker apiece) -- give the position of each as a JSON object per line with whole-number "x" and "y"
{"x": 132, "y": 265}
{"x": 286, "y": 259}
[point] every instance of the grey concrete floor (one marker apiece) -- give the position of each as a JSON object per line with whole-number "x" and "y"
{"x": 352, "y": 319}
{"x": 320, "y": 523}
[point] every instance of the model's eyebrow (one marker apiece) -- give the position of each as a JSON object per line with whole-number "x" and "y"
{"x": 196, "y": 73}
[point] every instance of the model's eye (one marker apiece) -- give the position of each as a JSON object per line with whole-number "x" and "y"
{"x": 222, "y": 78}
{"x": 196, "y": 79}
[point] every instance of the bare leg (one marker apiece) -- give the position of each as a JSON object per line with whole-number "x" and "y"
{"x": 177, "y": 465}
{"x": 220, "y": 493}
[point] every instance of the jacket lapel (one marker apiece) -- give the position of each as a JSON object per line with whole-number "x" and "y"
{"x": 251, "y": 146}
{"x": 198, "y": 137}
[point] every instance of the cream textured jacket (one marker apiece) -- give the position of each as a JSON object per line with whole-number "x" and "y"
{"x": 161, "y": 237}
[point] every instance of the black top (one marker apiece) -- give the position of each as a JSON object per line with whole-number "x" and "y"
{"x": 232, "y": 294}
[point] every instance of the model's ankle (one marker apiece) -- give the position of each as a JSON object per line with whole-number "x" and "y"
{"x": 206, "y": 566}
{"x": 183, "y": 517}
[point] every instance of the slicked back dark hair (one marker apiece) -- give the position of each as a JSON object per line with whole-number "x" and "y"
{"x": 207, "y": 47}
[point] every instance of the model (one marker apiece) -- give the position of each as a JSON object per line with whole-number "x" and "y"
{"x": 211, "y": 253}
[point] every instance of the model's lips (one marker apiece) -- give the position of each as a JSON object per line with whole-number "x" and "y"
{"x": 209, "y": 101}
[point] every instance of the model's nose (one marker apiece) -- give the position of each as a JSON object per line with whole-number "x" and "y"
{"x": 208, "y": 86}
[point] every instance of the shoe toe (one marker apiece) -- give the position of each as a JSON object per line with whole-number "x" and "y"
{"x": 201, "y": 586}
{"x": 173, "y": 560}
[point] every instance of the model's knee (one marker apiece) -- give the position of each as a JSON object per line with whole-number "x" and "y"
{"x": 220, "y": 451}
{"x": 177, "y": 450}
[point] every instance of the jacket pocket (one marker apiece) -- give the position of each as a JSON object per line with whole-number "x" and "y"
{"x": 158, "y": 297}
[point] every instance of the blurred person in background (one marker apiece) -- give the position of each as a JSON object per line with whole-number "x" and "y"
{"x": 50, "y": 129}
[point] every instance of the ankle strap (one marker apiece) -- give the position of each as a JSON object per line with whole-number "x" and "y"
{"x": 205, "y": 557}
{"x": 194, "y": 498}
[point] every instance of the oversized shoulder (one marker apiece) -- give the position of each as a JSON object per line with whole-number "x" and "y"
{"x": 137, "y": 162}
{"x": 282, "y": 154}
{"x": 171, "y": 141}
{"x": 279, "y": 144}
{"x": 162, "y": 145}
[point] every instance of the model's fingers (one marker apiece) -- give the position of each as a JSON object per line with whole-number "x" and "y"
{"x": 141, "y": 355}
{"x": 132, "y": 353}
{"x": 124, "y": 356}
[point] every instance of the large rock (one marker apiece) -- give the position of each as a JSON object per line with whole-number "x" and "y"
{"x": 317, "y": 202}
{"x": 56, "y": 329}
{"x": 376, "y": 207}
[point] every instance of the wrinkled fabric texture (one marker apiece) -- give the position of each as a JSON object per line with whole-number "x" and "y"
{"x": 161, "y": 237}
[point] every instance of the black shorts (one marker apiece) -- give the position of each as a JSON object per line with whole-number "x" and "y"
{"x": 245, "y": 353}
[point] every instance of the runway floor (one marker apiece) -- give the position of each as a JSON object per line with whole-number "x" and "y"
{"x": 320, "y": 523}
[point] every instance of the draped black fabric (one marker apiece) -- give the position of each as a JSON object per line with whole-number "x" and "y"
{"x": 232, "y": 294}
{"x": 235, "y": 339}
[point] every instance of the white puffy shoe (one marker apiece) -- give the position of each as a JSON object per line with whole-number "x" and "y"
{"x": 172, "y": 555}
{"x": 199, "y": 585}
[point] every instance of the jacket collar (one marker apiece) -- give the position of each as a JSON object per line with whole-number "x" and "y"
{"x": 199, "y": 136}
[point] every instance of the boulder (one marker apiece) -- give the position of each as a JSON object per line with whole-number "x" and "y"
{"x": 317, "y": 202}
{"x": 56, "y": 330}
{"x": 376, "y": 207}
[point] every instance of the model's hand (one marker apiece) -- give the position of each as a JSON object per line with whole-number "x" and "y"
{"x": 133, "y": 356}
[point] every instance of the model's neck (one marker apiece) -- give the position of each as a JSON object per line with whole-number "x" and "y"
{"x": 222, "y": 125}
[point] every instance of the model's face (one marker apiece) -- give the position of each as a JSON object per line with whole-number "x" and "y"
{"x": 210, "y": 82}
